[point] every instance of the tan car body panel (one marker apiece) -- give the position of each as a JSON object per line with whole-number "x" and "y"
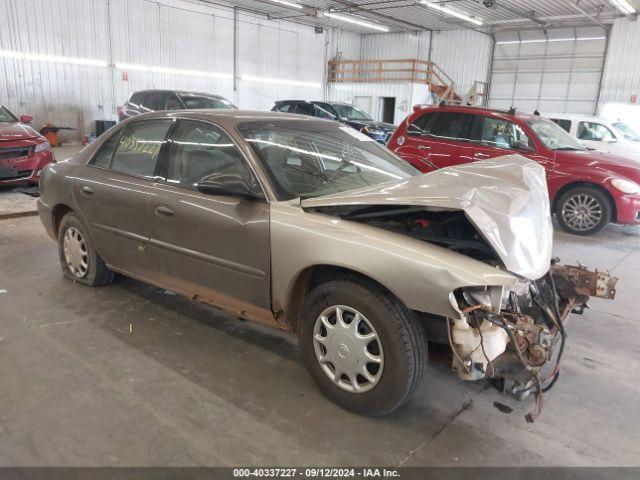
{"x": 420, "y": 274}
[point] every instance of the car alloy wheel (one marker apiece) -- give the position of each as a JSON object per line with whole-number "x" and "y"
{"x": 76, "y": 253}
{"x": 348, "y": 349}
{"x": 582, "y": 212}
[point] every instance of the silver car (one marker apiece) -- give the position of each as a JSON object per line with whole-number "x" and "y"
{"x": 312, "y": 227}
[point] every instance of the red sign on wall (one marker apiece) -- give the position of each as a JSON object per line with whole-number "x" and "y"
{"x": 125, "y": 76}
{"x": 634, "y": 98}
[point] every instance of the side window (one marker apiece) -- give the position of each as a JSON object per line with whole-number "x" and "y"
{"x": 564, "y": 124}
{"x": 419, "y": 125}
{"x": 503, "y": 134}
{"x": 452, "y": 125}
{"x": 173, "y": 102}
{"x": 302, "y": 109}
{"x": 201, "y": 152}
{"x": 323, "y": 112}
{"x": 284, "y": 108}
{"x": 136, "y": 99}
{"x": 103, "y": 157}
{"x": 139, "y": 146}
{"x": 595, "y": 132}
{"x": 154, "y": 101}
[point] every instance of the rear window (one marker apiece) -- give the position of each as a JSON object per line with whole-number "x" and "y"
{"x": 199, "y": 102}
{"x": 419, "y": 125}
{"x": 136, "y": 99}
{"x": 452, "y": 125}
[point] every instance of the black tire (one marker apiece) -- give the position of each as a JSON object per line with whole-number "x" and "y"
{"x": 563, "y": 209}
{"x": 97, "y": 273}
{"x": 402, "y": 339}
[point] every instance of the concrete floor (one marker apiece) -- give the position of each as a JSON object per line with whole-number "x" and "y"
{"x": 190, "y": 386}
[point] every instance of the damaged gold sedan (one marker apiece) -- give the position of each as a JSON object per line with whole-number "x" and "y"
{"x": 311, "y": 227}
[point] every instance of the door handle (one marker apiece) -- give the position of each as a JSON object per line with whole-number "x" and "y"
{"x": 86, "y": 190}
{"x": 164, "y": 211}
{"x": 480, "y": 155}
{"x": 424, "y": 147}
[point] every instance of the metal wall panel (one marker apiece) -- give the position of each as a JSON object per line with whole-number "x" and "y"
{"x": 554, "y": 72}
{"x": 175, "y": 34}
{"x": 621, "y": 77}
{"x": 464, "y": 55}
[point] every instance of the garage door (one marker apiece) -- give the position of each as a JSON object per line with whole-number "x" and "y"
{"x": 554, "y": 71}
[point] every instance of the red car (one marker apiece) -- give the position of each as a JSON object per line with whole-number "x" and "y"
{"x": 23, "y": 151}
{"x": 588, "y": 189}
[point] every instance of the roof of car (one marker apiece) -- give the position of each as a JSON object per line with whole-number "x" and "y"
{"x": 229, "y": 115}
{"x": 179, "y": 92}
{"x": 573, "y": 116}
{"x": 477, "y": 109}
{"x": 315, "y": 101}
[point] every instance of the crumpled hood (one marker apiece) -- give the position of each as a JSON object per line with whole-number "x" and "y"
{"x": 14, "y": 131}
{"x": 505, "y": 198}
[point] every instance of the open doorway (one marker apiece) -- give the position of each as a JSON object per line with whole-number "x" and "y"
{"x": 387, "y": 109}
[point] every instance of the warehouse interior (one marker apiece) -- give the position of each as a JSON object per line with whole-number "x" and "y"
{"x": 135, "y": 374}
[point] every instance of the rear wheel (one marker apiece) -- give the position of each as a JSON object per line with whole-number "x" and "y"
{"x": 364, "y": 349}
{"x": 78, "y": 258}
{"x": 583, "y": 210}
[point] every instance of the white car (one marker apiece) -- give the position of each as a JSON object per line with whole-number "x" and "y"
{"x": 615, "y": 137}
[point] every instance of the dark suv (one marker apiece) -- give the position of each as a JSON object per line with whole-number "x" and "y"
{"x": 344, "y": 112}
{"x": 153, "y": 100}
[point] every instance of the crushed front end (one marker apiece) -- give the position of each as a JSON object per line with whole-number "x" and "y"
{"x": 517, "y": 337}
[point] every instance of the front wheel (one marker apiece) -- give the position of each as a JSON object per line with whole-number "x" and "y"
{"x": 363, "y": 348}
{"x": 583, "y": 210}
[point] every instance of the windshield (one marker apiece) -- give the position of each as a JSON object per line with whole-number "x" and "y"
{"x": 193, "y": 102}
{"x": 627, "y": 132}
{"x": 350, "y": 112}
{"x": 315, "y": 160}
{"x": 552, "y": 136}
{"x": 6, "y": 115}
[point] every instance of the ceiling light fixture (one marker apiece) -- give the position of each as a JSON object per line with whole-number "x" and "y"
{"x": 172, "y": 71}
{"x": 287, "y": 4}
{"x": 278, "y": 81}
{"x": 580, "y": 39}
{"x": 52, "y": 58}
{"x": 356, "y": 21}
{"x": 624, "y": 6}
{"x": 454, "y": 13}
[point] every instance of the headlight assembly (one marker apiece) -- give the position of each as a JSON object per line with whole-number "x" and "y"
{"x": 625, "y": 186}
{"x": 41, "y": 147}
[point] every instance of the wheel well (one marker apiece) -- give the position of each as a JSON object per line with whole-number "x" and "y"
{"x": 313, "y": 276}
{"x": 569, "y": 186}
{"x": 59, "y": 211}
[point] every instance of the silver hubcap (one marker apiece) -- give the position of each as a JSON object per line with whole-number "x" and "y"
{"x": 582, "y": 212}
{"x": 75, "y": 252}
{"x": 348, "y": 349}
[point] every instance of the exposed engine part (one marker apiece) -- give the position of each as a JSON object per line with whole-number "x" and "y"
{"x": 522, "y": 342}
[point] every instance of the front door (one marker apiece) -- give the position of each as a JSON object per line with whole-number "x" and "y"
{"x": 113, "y": 192}
{"x": 214, "y": 247}
{"x": 499, "y": 137}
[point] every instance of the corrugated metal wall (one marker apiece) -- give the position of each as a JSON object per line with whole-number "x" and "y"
{"x": 464, "y": 55}
{"x": 173, "y": 34}
{"x": 621, "y": 77}
{"x": 553, "y": 71}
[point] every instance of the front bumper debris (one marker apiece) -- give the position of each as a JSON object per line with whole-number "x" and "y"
{"x": 531, "y": 324}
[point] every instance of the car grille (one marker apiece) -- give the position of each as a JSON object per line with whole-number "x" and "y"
{"x": 14, "y": 152}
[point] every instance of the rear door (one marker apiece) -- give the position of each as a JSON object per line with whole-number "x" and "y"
{"x": 439, "y": 139}
{"x": 113, "y": 192}
{"x": 212, "y": 246}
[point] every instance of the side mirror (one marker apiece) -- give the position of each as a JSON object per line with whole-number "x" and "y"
{"x": 237, "y": 188}
{"x": 26, "y": 119}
